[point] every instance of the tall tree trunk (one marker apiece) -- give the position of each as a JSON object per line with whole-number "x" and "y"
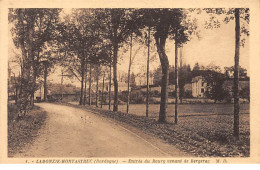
{"x": 20, "y": 84}
{"x": 82, "y": 81}
{"x": 33, "y": 86}
{"x": 40, "y": 91}
{"x": 236, "y": 74}
{"x": 176, "y": 82}
{"x": 110, "y": 76}
{"x": 89, "y": 88}
{"x": 128, "y": 77}
{"x": 32, "y": 63}
{"x": 25, "y": 70}
{"x": 61, "y": 85}
{"x": 34, "y": 79}
{"x": 181, "y": 88}
{"x": 147, "y": 75}
{"x": 115, "y": 108}
{"x": 97, "y": 92}
{"x": 45, "y": 82}
{"x": 103, "y": 85}
{"x": 160, "y": 43}
{"x": 85, "y": 88}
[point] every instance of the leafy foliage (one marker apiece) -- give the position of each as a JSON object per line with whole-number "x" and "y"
{"x": 32, "y": 29}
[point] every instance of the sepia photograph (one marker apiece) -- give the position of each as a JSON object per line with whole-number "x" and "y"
{"x": 117, "y": 85}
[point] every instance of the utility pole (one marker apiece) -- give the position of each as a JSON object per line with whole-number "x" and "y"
{"x": 61, "y": 83}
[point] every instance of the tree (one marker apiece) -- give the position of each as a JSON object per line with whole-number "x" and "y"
{"x": 90, "y": 81}
{"x": 148, "y": 70}
{"x": 128, "y": 77}
{"x": 241, "y": 17}
{"x": 196, "y": 67}
{"x": 157, "y": 76}
{"x": 49, "y": 57}
{"x": 131, "y": 61}
{"x": 185, "y": 77}
{"x": 85, "y": 88}
{"x": 236, "y": 74}
{"x": 229, "y": 72}
{"x": 132, "y": 80}
{"x": 84, "y": 43}
{"x": 245, "y": 93}
{"x": 215, "y": 80}
{"x": 32, "y": 29}
{"x": 97, "y": 75}
{"x": 103, "y": 85}
{"x": 167, "y": 23}
{"x": 109, "y": 91}
{"x": 74, "y": 31}
{"x": 215, "y": 83}
{"x": 120, "y": 25}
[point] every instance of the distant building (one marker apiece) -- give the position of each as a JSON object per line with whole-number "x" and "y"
{"x": 199, "y": 87}
{"x": 39, "y": 93}
{"x": 155, "y": 88}
{"x": 122, "y": 86}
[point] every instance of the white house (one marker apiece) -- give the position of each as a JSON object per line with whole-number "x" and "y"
{"x": 198, "y": 86}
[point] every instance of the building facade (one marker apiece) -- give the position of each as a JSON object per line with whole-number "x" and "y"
{"x": 198, "y": 87}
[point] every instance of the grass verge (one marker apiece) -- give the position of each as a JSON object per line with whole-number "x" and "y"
{"x": 24, "y": 130}
{"x": 201, "y": 136}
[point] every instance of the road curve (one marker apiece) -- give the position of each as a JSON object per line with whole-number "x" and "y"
{"x": 75, "y": 132}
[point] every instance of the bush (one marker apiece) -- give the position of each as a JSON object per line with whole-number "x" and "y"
{"x": 123, "y": 96}
{"x": 154, "y": 93}
{"x": 137, "y": 97}
{"x": 245, "y": 93}
{"x": 187, "y": 94}
{"x": 22, "y": 130}
{"x": 227, "y": 96}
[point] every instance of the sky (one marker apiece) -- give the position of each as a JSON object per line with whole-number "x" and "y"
{"x": 214, "y": 46}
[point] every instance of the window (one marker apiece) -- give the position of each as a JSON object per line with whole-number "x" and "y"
{"x": 202, "y": 90}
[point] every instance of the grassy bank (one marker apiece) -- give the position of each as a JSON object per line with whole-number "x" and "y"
{"x": 23, "y": 131}
{"x": 207, "y": 134}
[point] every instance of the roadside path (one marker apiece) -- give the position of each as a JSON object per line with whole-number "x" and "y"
{"x": 75, "y": 132}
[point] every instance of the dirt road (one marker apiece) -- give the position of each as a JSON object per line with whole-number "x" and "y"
{"x": 75, "y": 132}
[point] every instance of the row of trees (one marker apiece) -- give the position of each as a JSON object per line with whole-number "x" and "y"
{"x": 33, "y": 30}
{"x": 89, "y": 38}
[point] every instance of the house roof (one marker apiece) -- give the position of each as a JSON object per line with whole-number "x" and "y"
{"x": 196, "y": 79}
